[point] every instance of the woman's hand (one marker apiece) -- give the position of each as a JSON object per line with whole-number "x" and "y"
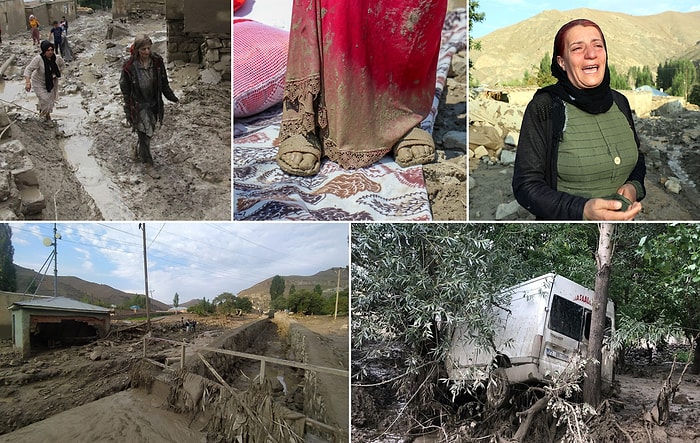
{"x": 628, "y": 191}
{"x": 27, "y": 85}
{"x": 604, "y": 209}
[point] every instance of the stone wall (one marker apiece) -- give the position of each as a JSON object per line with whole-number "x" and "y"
{"x": 20, "y": 196}
{"x": 137, "y": 8}
{"x": 194, "y": 40}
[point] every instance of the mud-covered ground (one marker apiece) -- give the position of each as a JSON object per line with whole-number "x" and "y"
{"x": 446, "y": 179}
{"x": 378, "y": 416}
{"x": 84, "y": 164}
{"x": 671, "y": 145}
{"x": 95, "y": 379}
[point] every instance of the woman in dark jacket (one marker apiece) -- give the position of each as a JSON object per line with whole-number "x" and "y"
{"x": 578, "y": 153}
{"x": 143, "y": 83}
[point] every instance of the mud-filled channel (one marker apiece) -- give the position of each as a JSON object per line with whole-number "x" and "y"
{"x": 194, "y": 404}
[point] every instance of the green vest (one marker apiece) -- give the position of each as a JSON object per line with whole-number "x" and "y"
{"x": 597, "y": 153}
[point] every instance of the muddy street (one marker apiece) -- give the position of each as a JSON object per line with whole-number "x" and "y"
{"x": 84, "y": 164}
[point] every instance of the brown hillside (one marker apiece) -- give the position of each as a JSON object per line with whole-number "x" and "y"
{"x": 328, "y": 279}
{"x": 632, "y": 41}
{"x": 77, "y": 289}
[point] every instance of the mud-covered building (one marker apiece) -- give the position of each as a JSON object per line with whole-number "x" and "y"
{"x": 56, "y": 321}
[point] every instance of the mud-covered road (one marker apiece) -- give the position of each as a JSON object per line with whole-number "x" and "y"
{"x": 84, "y": 164}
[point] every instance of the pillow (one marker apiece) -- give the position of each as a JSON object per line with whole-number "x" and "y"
{"x": 259, "y": 66}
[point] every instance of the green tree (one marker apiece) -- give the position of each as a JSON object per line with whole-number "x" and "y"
{"x": 694, "y": 96}
{"x": 280, "y": 303}
{"x": 292, "y": 289}
{"x": 684, "y": 78}
{"x": 245, "y": 304}
{"x": 672, "y": 261}
{"x": 225, "y": 303}
{"x": 204, "y": 307}
{"x": 474, "y": 17}
{"x": 176, "y": 300}
{"x": 677, "y": 77}
{"x": 276, "y": 287}
{"x": 618, "y": 81}
{"x": 544, "y": 73}
{"x": 8, "y": 276}
{"x": 343, "y": 303}
{"x": 641, "y": 77}
{"x": 318, "y": 290}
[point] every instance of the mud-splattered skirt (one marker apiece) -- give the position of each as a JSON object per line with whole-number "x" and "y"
{"x": 361, "y": 73}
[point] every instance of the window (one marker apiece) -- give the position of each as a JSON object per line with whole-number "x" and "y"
{"x": 566, "y": 318}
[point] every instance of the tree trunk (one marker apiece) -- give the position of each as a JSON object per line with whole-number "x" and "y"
{"x": 695, "y": 368}
{"x": 592, "y": 382}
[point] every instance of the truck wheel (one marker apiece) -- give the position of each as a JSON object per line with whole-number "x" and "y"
{"x": 497, "y": 390}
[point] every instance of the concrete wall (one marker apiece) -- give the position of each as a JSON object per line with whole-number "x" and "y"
{"x": 12, "y": 18}
{"x": 6, "y": 299}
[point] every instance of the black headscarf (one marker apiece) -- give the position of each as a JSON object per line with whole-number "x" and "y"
{"x": 50, "y": 66}
{"x": 592, "y": 100}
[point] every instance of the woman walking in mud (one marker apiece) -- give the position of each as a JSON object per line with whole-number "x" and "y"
{"x": 42, "y": 74}
{"x": 360, "y": 79}
{"x": 34, "y": 26}
{"x": 143, "y": 83}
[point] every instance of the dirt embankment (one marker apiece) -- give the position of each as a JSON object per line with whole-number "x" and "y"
{"x": 84, "y": 164}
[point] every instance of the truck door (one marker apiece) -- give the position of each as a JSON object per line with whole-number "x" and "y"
{"x": 606, "y": 366}
{"x": 563, "y": 334}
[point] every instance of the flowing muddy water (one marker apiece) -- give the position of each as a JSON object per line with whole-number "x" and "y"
{"x": 76, "y": 147}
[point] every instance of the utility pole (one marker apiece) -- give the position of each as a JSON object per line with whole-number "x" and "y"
{"x": 337, "y": 291}
{"x": 55, "y": 261}
{"x": 142, "y": 226}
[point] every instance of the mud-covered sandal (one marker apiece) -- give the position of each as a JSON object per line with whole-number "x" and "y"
{"x": 299, "y": 155}
{"x": 415, "y": 148}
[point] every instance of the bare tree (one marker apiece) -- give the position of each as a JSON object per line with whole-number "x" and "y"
{"x": 606, "y": 245}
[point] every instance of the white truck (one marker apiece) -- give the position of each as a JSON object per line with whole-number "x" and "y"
{"x": 548, "y": 320}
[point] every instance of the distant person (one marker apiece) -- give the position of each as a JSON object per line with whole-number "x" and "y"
{"x": 143, "y": 83}
{"x": 42, "y": 74}
{"x": 34, "y": 25}
{"x": 578, "y": 153}
{"x": 57, "y": 32}
{"x": 64, "y": 25}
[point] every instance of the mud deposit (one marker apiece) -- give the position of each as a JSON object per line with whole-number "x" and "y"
{"x": 84, "y": 163}
{"x": 56, "y": 392}
{"x": 378, "y": 415}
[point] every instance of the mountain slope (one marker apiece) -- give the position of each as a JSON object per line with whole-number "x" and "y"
{"x": 328, "y": 279}
{"x": 632, "y": 41}
{"x": 76, "y": 288}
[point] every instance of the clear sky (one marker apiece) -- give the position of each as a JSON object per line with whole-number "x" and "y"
{"x": 193, "y": 259}
{"x": 502, "y": 13}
